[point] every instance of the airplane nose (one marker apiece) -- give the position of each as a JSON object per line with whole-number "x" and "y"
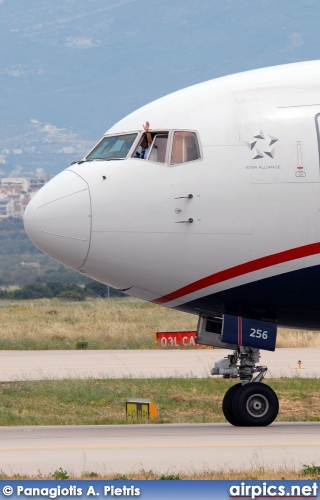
{"x": 58, "y": 219}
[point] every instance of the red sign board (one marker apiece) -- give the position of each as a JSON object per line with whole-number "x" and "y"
{"x": 175, "y": 339}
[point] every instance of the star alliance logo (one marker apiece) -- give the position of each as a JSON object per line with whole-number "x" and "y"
{"x": 261, "y": 146}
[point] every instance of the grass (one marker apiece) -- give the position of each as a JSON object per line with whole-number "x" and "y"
{"x": 130, "y": 324}
{"x": 261, "y": 473}
{"x": 98, "y": 402}
{"x": 103, "y": 324}
{"x": 102, "y": 402}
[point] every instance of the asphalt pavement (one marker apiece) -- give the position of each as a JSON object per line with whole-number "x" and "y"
{"x": 38, "y": 365}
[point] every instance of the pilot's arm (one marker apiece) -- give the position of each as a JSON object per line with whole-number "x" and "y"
{"x": 149, "y": 136}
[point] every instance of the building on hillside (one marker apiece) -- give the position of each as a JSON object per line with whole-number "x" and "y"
{"x": 19, "y": 190}
{"x": 36, "y": 184}
{"x": 6, "y": 207}
{"x": 24, "y": 200}
{"x": 14, "y": 184}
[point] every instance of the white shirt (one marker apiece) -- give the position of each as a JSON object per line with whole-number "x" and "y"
{"x": 146, "y": 152}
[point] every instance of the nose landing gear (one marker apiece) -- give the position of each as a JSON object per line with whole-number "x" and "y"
{"x": 250, "y": 402}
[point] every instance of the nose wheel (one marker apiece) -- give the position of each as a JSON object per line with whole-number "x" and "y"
{"x": 227, "y": 404}
{"x": 250, "y": 402}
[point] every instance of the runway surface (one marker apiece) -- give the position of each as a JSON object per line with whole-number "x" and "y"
{"x": 38, "y": 365}
{"x": 160, "y": 448}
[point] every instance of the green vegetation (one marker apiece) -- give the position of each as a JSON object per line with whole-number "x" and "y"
{"x": 259, "y": 473}
{"x": 169, "y": 477}
{"x": 117, "y": 323}
{"x": 14, "y": 239}
{"x": 313, "y": 470}
{"x": 101, "y": 323}
{"x": 52, "y": 289}
{"x": 22, "y": 263}
{"x": 101, "y": 402}
{"x": 60, "y": 474}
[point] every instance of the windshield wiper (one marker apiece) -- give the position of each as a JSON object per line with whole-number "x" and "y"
{"x": 78, "y": 162}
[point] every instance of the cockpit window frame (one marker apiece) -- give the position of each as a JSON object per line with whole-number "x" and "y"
{"x": 154, "y": 134}
{"x": 120, "y": 134}
{"x": 200, "y": 158}
{"x": 170, "y": 139}
{"x": 137, "y": 142}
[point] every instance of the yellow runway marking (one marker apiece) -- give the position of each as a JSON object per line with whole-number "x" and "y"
{"x": 152, "y": 446}
{"x": 78, "y": 367}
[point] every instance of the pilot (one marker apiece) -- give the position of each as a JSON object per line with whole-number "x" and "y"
{"x": 145, "y": 144}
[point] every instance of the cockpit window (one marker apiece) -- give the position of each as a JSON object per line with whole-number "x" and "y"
{"x": 159, "y": 148}
{"x": 113, "y": 147}
{"x": 185, "y": 147}
{"x": 155, "y": 150}
{"x": 170, "y": 147}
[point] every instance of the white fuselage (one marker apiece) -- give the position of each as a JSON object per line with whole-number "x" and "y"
{"x": 255, "y": 205}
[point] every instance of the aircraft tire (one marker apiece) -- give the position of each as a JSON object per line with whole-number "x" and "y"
{"x": 227, "y": 404}
{"x": 255, "y": 404}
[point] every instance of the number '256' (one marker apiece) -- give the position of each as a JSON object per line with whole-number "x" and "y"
{"x": 259, "y": 334}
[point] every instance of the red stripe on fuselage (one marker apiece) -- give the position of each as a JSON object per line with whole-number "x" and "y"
{"x": 240, "y": 270}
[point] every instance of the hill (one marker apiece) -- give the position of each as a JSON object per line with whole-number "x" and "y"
{"x": 71, "y": 69}
{"x": 22, "y": 262}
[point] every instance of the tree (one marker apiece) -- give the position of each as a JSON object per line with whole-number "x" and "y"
{"x": 96, "y": 289}
{"x": 55, "y": 287}
{"x": 71, "y": 295}
{"x": 33, "y": 291}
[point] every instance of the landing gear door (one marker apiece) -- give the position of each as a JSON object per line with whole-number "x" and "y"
{"x": 229, "y": 332}
{"x": 249, "y": 332}
{"x": 209, "y": 332}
